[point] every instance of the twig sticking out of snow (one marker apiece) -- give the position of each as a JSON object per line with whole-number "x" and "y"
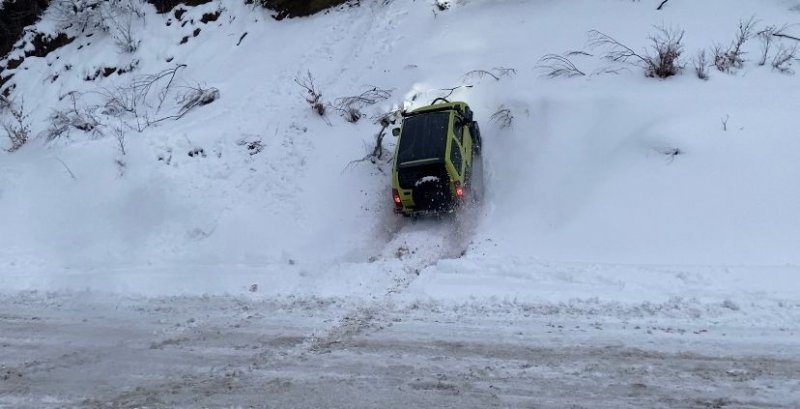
{"x": 554, "y": 65}
{"x": 496, "y": 73}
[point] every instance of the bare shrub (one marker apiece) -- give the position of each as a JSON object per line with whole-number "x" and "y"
{"x": 196, "y": 96}
{"x": 64, "y": 120}
{"x": 766, "y": 37}
{"x": 496, "y": 73}
{"x": 80, "y": 14}
{"x": 731, "y": 58}
{"x": 145, "y": 101}
{"x": 141, "y": 87}
{"x": 377, "y": 150}
{"x": 700, "y": 63}
{"x": 662, "y": 61}
{"x": 502, "y": 117}
{"x": 350, "y": 107}
{"x": 390, "y": 117}
{"x": 119, "y": 17}
{"x": 313, "y": 95}
{"x": 554, "y": 65}
{"x": 122, "y": 165}
{"x": 18, "y": 127}
{"x": 139, "y": 97}
{"x": 115, "y": 17}
{"x": 156, "y": 97}
{"x": 666, "y": 44}
{"x": 119, "y": 135}
{"x": 782, "y": 61}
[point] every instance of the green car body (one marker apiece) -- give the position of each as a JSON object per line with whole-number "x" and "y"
{"x": 433, "y": 159}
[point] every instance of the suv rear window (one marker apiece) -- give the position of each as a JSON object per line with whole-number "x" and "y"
{"x": 424, "y": 137}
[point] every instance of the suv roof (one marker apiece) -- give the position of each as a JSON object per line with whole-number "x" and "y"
{"x": 423, "y": 137}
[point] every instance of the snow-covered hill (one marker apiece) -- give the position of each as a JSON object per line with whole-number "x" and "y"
{"x": 610, "y": 196}
{"x": 603, "y": 168}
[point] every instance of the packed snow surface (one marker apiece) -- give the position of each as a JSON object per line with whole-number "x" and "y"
{"x": 635, "y": 244}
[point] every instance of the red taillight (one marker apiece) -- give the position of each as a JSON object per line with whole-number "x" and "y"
{"x": 396, "y": 195}
{"x": 459, "y": 190}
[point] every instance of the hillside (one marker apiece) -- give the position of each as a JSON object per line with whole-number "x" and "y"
{"x": 174, "y": 162}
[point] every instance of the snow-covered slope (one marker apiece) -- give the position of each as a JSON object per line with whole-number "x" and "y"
{"x": 609, "y": 185}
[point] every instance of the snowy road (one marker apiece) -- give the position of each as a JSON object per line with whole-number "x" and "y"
{"x": 84, "y": 350}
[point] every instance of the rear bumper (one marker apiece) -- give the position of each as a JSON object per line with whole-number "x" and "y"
{"x": 414, "y": 212}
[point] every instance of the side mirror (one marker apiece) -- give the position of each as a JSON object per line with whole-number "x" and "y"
{"x": 396, "y": 131}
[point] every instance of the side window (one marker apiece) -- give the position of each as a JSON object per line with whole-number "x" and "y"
{"x": 458, "y": 130}
{"x": 455, "y": 155}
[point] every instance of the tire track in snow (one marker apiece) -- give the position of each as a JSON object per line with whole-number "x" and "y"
{"x": 419, "y": 244}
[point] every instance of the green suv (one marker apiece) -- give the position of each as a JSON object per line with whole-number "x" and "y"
{"x": 433, "y": 158}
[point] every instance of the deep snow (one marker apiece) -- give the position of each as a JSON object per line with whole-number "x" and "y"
{"x": 586, "y": 215}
